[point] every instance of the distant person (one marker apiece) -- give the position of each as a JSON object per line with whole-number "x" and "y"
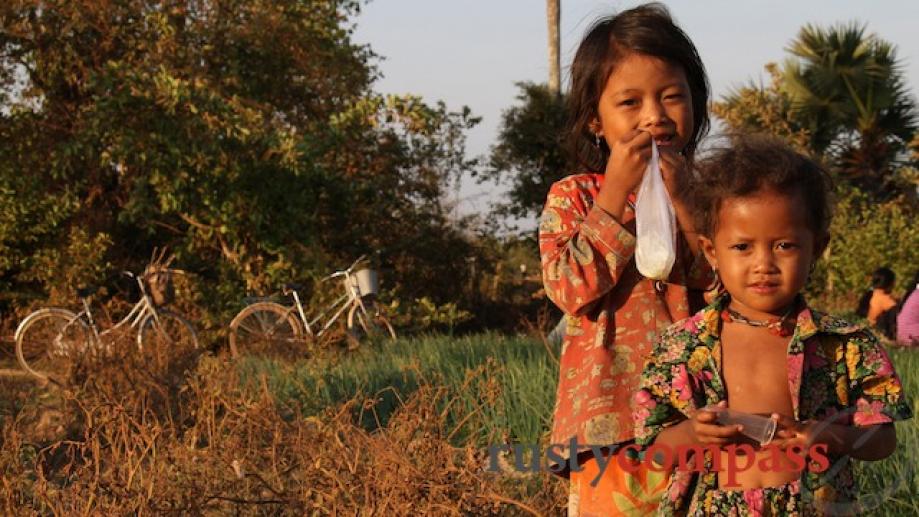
{"x": 908, "y": 317}
{"x": 760, "y": 349}
{"x": 878, "y": 304}
{"x": 636, "y": 78}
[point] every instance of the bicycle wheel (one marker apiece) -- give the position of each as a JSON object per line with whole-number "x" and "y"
{"x": 262, "y": 326}
{"x": 172, "y": 332}
{"x": 372, "y": 324}
{"x": 49, "y": 342}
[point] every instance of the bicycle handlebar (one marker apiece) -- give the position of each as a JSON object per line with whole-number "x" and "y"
{"x": 356, "y": 262}
{"x": 345, "y": 272}
{"x": 333, "y": 275}
{"x": 171, "y": 271}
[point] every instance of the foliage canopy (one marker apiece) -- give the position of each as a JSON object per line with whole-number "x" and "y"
{"x": 529, "y": 154}
{"x": 841, "y": 95}
{"x": 243, "y": 134}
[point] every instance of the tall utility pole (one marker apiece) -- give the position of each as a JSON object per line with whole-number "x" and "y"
{"x": 553, "y": 17}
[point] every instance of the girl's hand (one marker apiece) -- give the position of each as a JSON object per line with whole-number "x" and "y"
{"x": 673, "y": 165}
{"x": 869, "y": 443}
{"x": 705, "y": 428}
{"x": 789, "y": 432}
{"x": 628, "y": 159}
{"x": 625, "y": 168}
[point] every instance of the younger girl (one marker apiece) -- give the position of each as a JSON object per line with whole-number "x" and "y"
{"x": 636, "y": 77}
{"x": 757, "y": 348}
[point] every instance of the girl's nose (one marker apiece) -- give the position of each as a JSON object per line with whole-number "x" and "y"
{"x": 654, "y": 120}
{"x": 654, "y": 114}
{"x": 765, "y": 262}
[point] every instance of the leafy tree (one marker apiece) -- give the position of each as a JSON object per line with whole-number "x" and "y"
{"x": 529, "y": 155}
{"x": 842, "y": 96}
{"x": 244, "y": 134}
{"x": 850, "y": 87}
{"x": 764, "y": 108}
{"x": 865, "y": 235}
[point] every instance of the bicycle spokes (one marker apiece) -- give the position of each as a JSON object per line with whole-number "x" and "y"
{"x": 49, "y": 343}
{"x": 263, "y": 326}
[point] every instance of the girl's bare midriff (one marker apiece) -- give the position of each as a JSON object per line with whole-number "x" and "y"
{"x": 755, "y": 372}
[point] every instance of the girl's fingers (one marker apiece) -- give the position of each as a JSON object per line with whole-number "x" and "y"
{"x": 638, "y": 138}
{"x": 786, "y": 424}
{"x": 636, "y": 142}
{"x": 717, "y": 431}
{"x": 784, "y": 443}
{"x": 710, "y": 413}
{"x": 671, "y": 161}
{"x": 706, "y": 416}
{"x": 715, "y": 441}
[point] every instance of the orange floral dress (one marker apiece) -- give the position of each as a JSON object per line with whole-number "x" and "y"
{"x": 614, "y": 315}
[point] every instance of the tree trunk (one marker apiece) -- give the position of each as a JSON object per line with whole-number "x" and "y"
{"x": 553, "y": 17}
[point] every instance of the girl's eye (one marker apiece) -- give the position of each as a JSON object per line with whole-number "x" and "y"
{"x": 787, "y": 245}
{"x": 628, "y": 102}
{"x": 740, "y": 247}
{"x": 674, "y": 96}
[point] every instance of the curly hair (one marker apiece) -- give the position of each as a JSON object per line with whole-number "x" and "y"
{"x": 752, "y": 164}
{"x": 649, "y": 30}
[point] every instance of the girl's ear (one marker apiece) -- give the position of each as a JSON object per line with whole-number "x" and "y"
{"x": 595, "y": 127}
{"x": 708, "y": 249}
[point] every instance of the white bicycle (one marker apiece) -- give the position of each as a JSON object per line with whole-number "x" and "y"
{"x": 265, "y": 323}
{"x": 50, "y": 341}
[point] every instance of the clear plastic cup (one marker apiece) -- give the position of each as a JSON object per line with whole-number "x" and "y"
{"x": 758, "y": 428}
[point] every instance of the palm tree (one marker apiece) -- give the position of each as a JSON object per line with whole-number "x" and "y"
{"x": 848, "y": 89}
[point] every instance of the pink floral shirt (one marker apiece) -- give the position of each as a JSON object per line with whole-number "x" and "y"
{"x": 833, "y": 367}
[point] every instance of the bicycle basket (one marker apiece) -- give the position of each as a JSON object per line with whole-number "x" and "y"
{"x": 367, "y": 282}
{"x": 157, "y": 277}
{"x": 160, "y": 286}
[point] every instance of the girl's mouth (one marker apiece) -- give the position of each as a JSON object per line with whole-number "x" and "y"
{"x": 663, "y": 140}
{"x": 764, "y": 288}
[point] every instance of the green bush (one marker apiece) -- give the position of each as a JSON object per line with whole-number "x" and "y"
{"x": 866, "y": 235}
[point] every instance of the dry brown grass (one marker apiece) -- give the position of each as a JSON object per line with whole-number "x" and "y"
{"x": 178, "y": 433}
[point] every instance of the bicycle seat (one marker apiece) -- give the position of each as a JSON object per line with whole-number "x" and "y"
{"x": 293, "y": 287}
{"x": 85, "y": 292}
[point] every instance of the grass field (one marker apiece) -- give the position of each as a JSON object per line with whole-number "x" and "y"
{"x": 400, "y": 428}
{"x": 523, "y": 368}
{"x": 524, "y": 373}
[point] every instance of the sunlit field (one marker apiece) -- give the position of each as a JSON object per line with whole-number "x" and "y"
{"x": 397, "y": 426}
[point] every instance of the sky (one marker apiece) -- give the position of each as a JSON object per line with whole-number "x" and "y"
{"x": 472, "y": 52}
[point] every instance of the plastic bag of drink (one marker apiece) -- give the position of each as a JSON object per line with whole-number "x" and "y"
{"x": 655, "y": 223}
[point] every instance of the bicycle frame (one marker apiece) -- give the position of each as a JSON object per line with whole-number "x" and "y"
{"x": 143, "y": 309}
{"x": 265, "y": 321}
{"x": 339, "y": 306}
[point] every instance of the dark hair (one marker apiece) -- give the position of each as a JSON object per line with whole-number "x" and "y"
{"x": 648, "y": 30}
{"x": 881, "y": 278}
{"x": 752, "y": 164}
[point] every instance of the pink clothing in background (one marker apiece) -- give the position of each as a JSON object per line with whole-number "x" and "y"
{"x": 908, "y": 321}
